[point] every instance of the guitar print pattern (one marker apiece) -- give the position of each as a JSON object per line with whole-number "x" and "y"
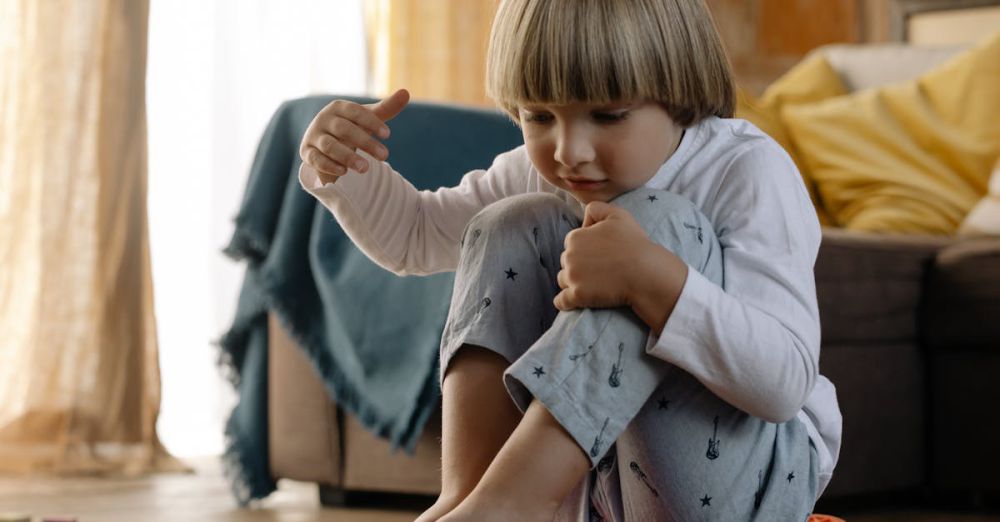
{"x": 614, "y": 380}
{"x": 642, "y": 477}
{"x": 575, "y": 356}
{"x": 713, "y": 442}
{"x": 595, "y": 450}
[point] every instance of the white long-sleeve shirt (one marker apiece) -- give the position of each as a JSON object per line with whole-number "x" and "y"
{"x": 754, "y": 342}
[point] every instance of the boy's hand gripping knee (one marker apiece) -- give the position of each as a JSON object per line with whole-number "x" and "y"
{"x": 599, "y": 258}
{"x": 610, "y": 261}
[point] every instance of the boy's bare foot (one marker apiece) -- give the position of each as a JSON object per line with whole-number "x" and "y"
{"x": 484, "y": 508}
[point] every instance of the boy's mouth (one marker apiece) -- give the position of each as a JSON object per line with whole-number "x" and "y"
{"x": 585, "y": 185}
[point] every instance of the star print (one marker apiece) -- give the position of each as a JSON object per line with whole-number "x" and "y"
{"x": 790, "y": 476}
{"x": 651, "y": 198}
{"x": 539, "y": 371}
{"x": 664, "y": 404}
{"x": 706, "y": 501}
{"x": 511, "y": 274}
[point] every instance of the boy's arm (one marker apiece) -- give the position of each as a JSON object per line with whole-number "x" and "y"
{"x": 411, "y": 232}
{"x": 755, "y": 343}
{"x": 663, "y": 275}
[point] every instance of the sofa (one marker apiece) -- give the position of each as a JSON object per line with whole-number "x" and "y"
{"x": 910, "y": 338}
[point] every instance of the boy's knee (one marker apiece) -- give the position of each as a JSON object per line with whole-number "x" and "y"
{"x": 533, "y": 218}
{"x": 653, "y": 205}
{"x": 520, "y": 210}
{"x": 528, "y": 228}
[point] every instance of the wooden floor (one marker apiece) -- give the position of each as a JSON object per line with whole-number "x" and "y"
{"x": 919, "y": 516}
{"x": 204, "y": 495}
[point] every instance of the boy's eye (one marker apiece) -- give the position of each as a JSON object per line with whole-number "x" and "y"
{"x": 603, "y": 117}
{"x": 610, "y": 117}
{"x": 537, "y": 117}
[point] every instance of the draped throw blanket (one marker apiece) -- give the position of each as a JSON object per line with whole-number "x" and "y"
{"x": 372, "y": 336}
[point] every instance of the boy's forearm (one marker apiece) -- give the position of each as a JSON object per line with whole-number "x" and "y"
{"x": 657, "y": 285}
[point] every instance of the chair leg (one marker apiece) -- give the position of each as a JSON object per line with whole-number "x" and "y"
{"x": 333, "y": 496}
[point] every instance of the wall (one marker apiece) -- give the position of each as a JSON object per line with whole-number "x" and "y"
{"x": 764, "y": 38}
{"x": 444, "y": 59}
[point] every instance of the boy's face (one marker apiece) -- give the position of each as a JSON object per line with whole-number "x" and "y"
{"x": 598, "y": 152}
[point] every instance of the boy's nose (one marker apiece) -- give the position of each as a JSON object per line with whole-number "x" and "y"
{"x": 573, "y": 149}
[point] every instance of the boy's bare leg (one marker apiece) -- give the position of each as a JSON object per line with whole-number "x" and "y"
{"x": 529, "y": 479}
{"x": 477, "y": 418}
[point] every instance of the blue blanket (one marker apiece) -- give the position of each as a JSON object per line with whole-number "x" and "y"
{"x": 372, "y": 336}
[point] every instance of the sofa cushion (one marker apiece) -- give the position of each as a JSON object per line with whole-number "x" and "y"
{"x": 913, "y": 157}
{"x": 984, "y": 220}
{"x": 371, "y": 464}
{"x": 963, "y": 391}
{"x": 866, "y": 66}
{"x": 880, "y": 389}
{"x": 303, "y": 432}
{"x": 962, "y": 303}
{"x": 869, "y": 286}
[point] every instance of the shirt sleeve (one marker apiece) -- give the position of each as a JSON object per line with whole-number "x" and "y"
{"x": 754, "y": 342}
{"x": 409, "y": 231}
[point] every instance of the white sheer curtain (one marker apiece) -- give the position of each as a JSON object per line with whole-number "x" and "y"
{"x": 217, "y": 70}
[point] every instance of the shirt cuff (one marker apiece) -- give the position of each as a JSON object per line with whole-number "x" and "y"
{"x": 324, "y": 192}
{"x": 309, "y": 179}
{"x": 685, "y": 329}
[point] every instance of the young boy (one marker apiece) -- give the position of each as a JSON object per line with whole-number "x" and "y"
{"x": 667, "y": 341}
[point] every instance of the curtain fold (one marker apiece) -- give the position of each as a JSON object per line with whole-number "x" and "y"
{"x": 79, "y": 376}
{"x": 434, "y": 48}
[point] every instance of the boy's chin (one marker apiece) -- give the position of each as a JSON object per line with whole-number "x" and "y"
{"x": 590, "y": 197}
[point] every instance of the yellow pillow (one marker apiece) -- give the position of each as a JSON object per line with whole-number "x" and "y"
{"x": 812, "y": 80}
{"x": 910, "y": 157}
{"x": 984, "y": 220}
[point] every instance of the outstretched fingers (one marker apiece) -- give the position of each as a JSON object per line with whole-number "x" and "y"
{"x": 388, "y": 108}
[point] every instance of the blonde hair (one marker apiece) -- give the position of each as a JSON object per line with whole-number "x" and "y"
{"x": 600, "y": 51}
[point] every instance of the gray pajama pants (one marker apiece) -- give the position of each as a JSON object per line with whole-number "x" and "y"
{"x": 662, "y": 446}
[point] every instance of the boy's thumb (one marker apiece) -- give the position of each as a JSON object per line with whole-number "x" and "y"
{"x": 387, "y": 108}
{"x": 596, "y": 211}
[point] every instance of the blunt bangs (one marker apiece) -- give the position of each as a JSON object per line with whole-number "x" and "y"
{"x": 600, "y": 51}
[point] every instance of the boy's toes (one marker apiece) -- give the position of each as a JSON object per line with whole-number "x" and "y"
{"x": 438, "y": 510}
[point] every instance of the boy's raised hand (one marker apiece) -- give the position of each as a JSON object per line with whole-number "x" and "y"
{"x": 332, "y": 140}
